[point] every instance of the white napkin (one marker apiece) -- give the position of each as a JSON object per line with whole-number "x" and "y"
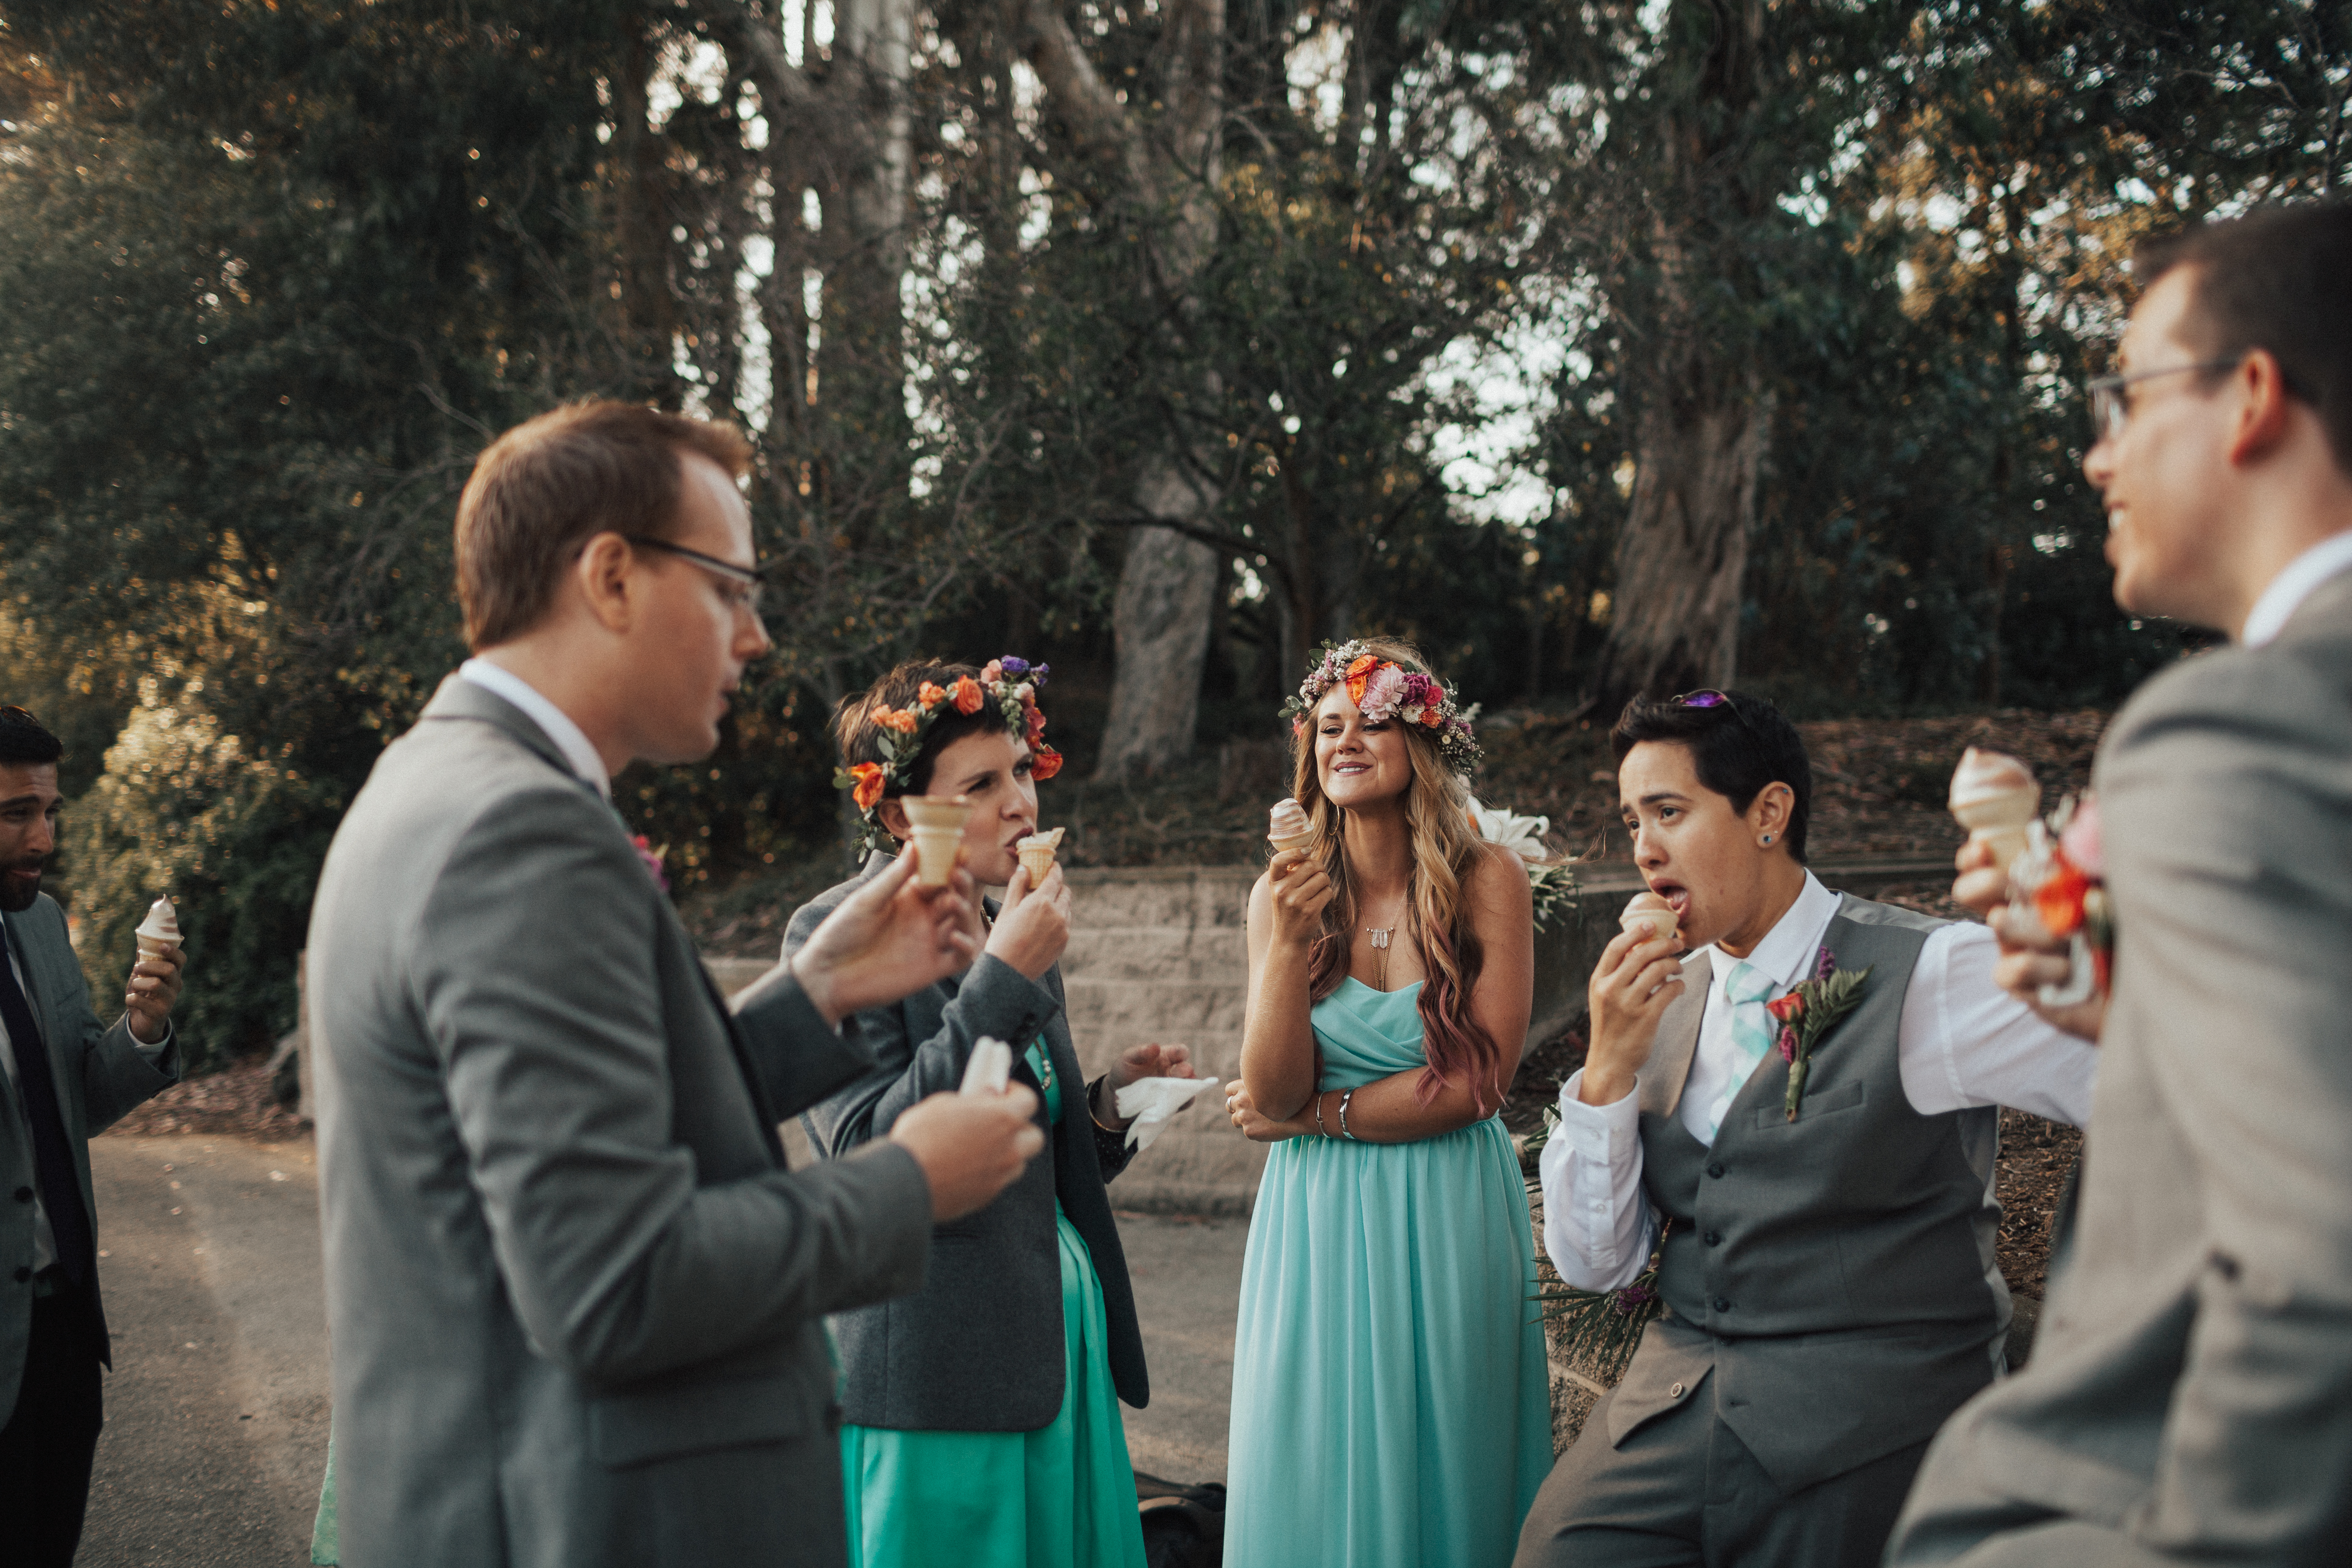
{"x": 1151, "y": 1102}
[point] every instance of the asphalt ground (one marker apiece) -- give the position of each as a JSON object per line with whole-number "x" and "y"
{"x": 216, "y": 1410}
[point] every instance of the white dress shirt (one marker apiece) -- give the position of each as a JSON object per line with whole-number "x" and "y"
{"x": 569, "y": 738}
{"x": 1963, "y": 1042}
{"x": 44, "y": 1241}
{"x": 2290, "y": 587}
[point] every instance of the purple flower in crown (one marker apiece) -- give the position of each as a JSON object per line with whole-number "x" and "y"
{"x": 1014, "y": 669}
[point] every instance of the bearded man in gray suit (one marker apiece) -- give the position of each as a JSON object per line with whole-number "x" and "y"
{"x": 575, "y": 1295}
{"x": 2189, "y": 1398}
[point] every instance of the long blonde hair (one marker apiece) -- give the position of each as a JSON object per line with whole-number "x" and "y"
{"x": 1445, "y": 847}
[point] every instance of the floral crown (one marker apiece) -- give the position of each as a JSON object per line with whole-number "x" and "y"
{"x": 1008, "y": 684}
{"x": 1383, "y": 690}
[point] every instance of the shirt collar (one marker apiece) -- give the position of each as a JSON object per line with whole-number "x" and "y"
{"x": 1786, "y": 953}
{"x": 2290, "y": 587}
{"x": 569, "y": 738}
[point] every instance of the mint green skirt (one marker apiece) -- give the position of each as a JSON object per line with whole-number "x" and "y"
{"x": 1061, "y": 1497}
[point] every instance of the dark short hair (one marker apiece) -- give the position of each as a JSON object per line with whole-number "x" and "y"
{"x": 2275, "y": 279}
{"x": 861, "y": 738}
{"x": 1738, "y": 746}
{"x": 545, "y": 488}
{"x": 24, "y": 740}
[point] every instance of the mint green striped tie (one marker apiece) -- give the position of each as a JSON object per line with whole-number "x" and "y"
{"x": 1751, "y": 1031}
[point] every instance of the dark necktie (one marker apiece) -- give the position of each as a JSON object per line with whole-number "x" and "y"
{"x": 53, "y": 1164}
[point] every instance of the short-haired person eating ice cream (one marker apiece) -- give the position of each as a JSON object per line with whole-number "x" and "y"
{"x": 1827, "y": 1254}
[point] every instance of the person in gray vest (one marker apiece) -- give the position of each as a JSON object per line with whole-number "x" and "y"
{"x": 2189, "y": 1398}
{"x": 576, "y": 1296}
{"x": 1827, "y": 1255}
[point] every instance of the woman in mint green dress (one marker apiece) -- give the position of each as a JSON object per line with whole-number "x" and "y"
{"x": 1390, "y": 1402}
{"x": 983, "y": 1426}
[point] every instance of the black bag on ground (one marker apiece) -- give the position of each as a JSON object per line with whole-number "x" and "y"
{"x": 1183, "y": 1527}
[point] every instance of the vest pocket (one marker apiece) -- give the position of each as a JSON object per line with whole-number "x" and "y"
{"x": 1828, "y": 1102}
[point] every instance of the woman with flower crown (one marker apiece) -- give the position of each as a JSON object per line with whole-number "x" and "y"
{"x": 983, "y": 1425}
{"x": 1390, "y": 1400}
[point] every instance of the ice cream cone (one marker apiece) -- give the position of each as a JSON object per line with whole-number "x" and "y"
{"x": 160, "y": 932}
{"x": 1037, "y": 853}
{"x": 1647, "y": 917}
{"x": 1288, "y": 827}
{"x": 938, "y": 821}
{"x": 1995, "y": 798}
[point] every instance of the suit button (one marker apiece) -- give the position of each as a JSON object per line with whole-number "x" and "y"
{"x": 23, "y": 1275}
{"x": 1715, "y": 1169}
{"x": 24, "y": 1194}
{"x": 1714, "y": 1238}
{"x": 1676, "y": 1392}
{"x": 1721, "y": 1305}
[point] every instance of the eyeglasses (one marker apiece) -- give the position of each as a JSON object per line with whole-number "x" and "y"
{"x": 2111, "y": 411}
{"x": 750, "y": 582}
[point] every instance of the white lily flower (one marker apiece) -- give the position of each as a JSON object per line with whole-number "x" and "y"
{"x": 1521, "y": 835}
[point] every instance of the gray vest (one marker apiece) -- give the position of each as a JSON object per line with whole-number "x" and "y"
{"x": 1835, "y": 1273}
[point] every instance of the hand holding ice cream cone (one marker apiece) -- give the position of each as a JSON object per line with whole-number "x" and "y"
{"x": 154, "y": 986}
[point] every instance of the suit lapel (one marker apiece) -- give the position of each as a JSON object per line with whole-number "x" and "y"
{"x": 1668, "y": 1067}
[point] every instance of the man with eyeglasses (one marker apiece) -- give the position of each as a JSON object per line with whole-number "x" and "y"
{"x": 576, "y": 1297}
{"x": 2190, "y": 1399}
{"x": 67, "y": 1076}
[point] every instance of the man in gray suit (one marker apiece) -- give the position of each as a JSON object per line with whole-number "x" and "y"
{"x": 576, "y": 1299}
{"x": 66, "y": 1077}
{"x": 2189, "y": 1398}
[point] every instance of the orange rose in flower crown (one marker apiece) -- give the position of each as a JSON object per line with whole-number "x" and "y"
{"x": 1008, "y": 684}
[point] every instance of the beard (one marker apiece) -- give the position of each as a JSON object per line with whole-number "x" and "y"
{"x": 17, "y": 893}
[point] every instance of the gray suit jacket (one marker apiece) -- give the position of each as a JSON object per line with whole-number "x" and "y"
{"x": 576, "y": 1300}
{"x": 979, "y": 1348}
{"x": 2189, "y": 1397}
{"x": 100, "y": 1073}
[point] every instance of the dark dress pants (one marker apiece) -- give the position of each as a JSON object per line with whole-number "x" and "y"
{"x": 45, "y": 1449}
{"x": 1684, "y": 1492}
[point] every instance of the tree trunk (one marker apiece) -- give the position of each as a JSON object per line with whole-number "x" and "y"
{"x": 1684, "y": 551}
{"x": 1167, "y": 592}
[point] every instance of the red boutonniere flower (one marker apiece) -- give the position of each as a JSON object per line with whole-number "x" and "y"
{"x": 1043, "y": 763}
{"x": 1807, "y": 1012}
{"x": 653, "y": 860}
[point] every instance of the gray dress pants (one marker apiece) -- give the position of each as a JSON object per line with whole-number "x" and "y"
{"x": 1684, "y": 1491}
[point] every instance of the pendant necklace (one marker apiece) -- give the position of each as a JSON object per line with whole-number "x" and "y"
{"x": 1380, "y": 935}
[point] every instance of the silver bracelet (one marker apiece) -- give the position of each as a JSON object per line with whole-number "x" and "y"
{"x": 1318, "y": 1115}
{"x": 1343, "y": 1117}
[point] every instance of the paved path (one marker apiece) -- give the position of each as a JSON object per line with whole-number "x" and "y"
{"x": 216, "y": 1410}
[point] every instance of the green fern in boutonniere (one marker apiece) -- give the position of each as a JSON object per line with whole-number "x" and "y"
{"x": 1807, "y": 1013}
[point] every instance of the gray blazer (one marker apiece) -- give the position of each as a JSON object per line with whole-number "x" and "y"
{"x": 100, "y": 1074}
{"x": 576, "y": 1300}
{"x": 2189, "y": 1397}
{"x": 979, "y": 1348}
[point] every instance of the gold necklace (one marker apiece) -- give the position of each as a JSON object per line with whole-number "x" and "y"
{"x": 1380, "y": 935}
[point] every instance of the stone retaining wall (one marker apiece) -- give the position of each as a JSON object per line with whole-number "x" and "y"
{"x": 1156, "y": 953}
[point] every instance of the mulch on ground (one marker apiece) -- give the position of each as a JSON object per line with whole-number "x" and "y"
{"x": 236, "y": 1099}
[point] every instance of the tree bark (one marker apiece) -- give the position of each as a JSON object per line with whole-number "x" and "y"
{"x": 1674, "y": 624}
{"x": 1160, "y": 619}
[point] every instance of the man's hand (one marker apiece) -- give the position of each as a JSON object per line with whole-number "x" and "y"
{"x": 891, "y": 937}
{"x": 1257, "y": 1128}
{"x": 2030, "y": 957}
{"x": 154, "y": 990}
{"x": 1033, "y": 927}
{"x": 1630, "y": 990}
{"x": 971, "y": 1146}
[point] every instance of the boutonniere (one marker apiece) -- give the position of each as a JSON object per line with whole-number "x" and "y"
{"x": 1807, "y": 1013}
{"x": 652, "y": 859}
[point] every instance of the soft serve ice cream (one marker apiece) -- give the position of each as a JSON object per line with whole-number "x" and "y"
{"x": 1648, "y": 916}
{"x": 160, "y": 932}
{"x": 1288, "y": 826}
{"x": 1994, "y": 797}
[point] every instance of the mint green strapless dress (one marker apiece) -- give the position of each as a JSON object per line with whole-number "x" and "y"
{"x": 1391, "y": 1407}
{"x": 1060, "y": 1497}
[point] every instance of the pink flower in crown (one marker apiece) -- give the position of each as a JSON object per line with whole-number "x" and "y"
{"x": 1383, "y": 691}
{"x": 992, "y": 672}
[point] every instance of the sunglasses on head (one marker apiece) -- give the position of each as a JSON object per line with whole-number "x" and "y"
{"x": 1709, "y": 697}
{"x": 12, "y": 714}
